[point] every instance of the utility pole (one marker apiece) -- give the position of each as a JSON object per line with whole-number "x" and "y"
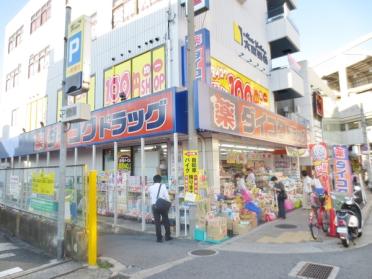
{"x": 193, "y": 139}
{"x": 366, "y": 142}
{"x": 192, "y": 136}
{"x": 63, "y": 151}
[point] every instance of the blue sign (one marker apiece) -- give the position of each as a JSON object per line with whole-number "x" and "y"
{"x": 74, "y": 49}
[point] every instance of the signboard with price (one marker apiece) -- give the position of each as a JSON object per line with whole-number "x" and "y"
{"x": 190, "y": 170}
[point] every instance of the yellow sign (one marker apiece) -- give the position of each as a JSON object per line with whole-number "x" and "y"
{"x": 190, "y": 162}
{"x": 43, "y": 183}
{"x": 233, "y": 82}
{"x": 237, "y": 34}
{"x": 136, "y": 77}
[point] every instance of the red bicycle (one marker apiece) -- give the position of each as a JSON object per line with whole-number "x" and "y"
{"x": 318, "y": 218}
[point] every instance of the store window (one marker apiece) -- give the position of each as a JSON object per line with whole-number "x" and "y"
{"x": 40, "y": 17}
{"x": 36, "y": 113}
{"x": 353, "y": 125}
{"x": 15, "y": 39}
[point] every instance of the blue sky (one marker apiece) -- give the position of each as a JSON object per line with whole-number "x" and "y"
{"x": 325, "y": 25}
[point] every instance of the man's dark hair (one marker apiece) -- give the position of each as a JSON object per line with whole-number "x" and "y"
{"x": 304, "y": 173}
{"x": 157, "y": 178}
{"x": 274, "y": 178}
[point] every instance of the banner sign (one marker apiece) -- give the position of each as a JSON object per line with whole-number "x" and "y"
{"x": 191, "y": 170}
{"x": 342, "y": 169}
{"x": 296, "y": 152}
{"x": 44, "y": 205}
{"x": 200, "y": 6}
{"x": 319, "y": 158}
{"x": 202, "y": 57}
{"x": 221, "y": 112}
{"x": 157, "y": 114}
{"x": 231, "y": 81}
{"x": 43, "y": 183}
{"x": 137, "y": 77}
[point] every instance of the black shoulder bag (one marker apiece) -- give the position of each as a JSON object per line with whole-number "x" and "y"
{"x": 162, "y": 204}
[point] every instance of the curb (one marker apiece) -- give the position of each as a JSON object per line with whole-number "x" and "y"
{"x": 37, "y": 269}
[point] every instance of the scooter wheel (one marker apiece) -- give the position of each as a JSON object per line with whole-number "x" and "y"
{"x": 345, "y": 242}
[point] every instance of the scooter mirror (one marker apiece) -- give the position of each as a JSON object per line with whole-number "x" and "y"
{"x": 357, "y": 188}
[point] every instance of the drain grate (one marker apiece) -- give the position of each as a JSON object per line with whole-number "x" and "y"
{"x": 314, "y": 271}
{"x": 286, "y": 226}
{"x": 203, "y": 252}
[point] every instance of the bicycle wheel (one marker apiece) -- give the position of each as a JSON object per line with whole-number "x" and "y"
{"x": 325, "y": 221}
{"x": 314, "y": 227}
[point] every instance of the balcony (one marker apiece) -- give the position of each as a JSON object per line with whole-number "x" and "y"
{"x": 286, "y": 84}
{"x": 282, "y": 34}
{"x": 272, "y": 4}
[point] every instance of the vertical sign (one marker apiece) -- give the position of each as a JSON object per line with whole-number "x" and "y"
{"x": 78, "y": 56}
{"x": 319, "y": 157}
{"x": 158, "y": 69}
{"x": 190, "y": 170}
{"x": 200, "y": 6}
{"x": 342, "y": 169}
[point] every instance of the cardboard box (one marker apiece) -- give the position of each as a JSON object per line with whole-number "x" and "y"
{"x": 216, "y": 228}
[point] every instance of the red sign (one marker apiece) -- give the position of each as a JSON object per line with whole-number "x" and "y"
{"x": 151, "y": 115}
{"x": 222, "y": 112}
{"x": 319, "y": 157}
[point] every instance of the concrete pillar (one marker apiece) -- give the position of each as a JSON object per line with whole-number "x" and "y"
{"x": 342, "y": 80}
{"x": 212, "y": 154}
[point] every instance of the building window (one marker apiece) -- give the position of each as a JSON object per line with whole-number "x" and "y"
{"x": 15, "y": 117}
{"x": 40, "y": 17}
{"x": 353, "y": 125}
{"x": 343, "y": 127}
{"x": 15, "y": 39}
{"x": 368, "y": 122}
{"x": 36, "y": 113}
{"x": 38, "y": 62}
{"x": 123, "y": 10}
{"x": 12, "y": 78}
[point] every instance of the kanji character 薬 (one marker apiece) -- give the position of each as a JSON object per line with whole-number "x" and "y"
{"x": 224, "y": 112}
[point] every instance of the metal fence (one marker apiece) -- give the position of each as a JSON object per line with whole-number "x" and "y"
{"x": 35, "y": 190}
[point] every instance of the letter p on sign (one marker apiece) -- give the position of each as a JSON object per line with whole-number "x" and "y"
{"x": 74, "y": 49}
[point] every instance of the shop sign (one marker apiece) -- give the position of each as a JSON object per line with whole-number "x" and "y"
{"x": 124, "y": 163}
{"x": 318, "y": 104}
{"x": 202, "y": 57}
{"x": 200, "y": 6}
{"x": 43, "y": 183}
{"x": 249, "y": 43}
{"x": 342, "y": 169}
{"x": 137, "y": 77}
{"x": 43, "y": 205}
{"x": 221, "y": 112}
{"x": 152, "y": 115}
{"x": 319, "y": 158}
{"x": 233, "y": 82}
{"x": 296, "y": 152}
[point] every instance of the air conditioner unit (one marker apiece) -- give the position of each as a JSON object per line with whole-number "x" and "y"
{"x": 76, "y": 113}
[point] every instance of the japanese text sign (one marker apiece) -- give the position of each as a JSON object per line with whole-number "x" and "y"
{"x": 200, "y": 6}
{"x": 43, "y": 183}
{"x": 342, "y": 169}
{"x": 229, "y": 80}
{"x": 319, "y": 157}
{"x": 190, "y": 162}
{"x": 137, "y": 77}
{"x": 222, "y": 112}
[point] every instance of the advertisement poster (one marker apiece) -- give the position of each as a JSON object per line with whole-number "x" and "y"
{"x": 141, "y": 76}
{"x": 319, "y": 158}
{"x": 14, "y": 186}
{"x": 342, "y": 169}
{"x": 136, "y": 77}
{"x": 117, "y": 80}
{"x": 43, "y": 183}
{"x": 231, "y": 81}
{"x": 124, "y": 162}
{"x": 191, "y": 170}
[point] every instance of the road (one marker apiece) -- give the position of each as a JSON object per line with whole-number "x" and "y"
{"x": 17, "y": 256}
